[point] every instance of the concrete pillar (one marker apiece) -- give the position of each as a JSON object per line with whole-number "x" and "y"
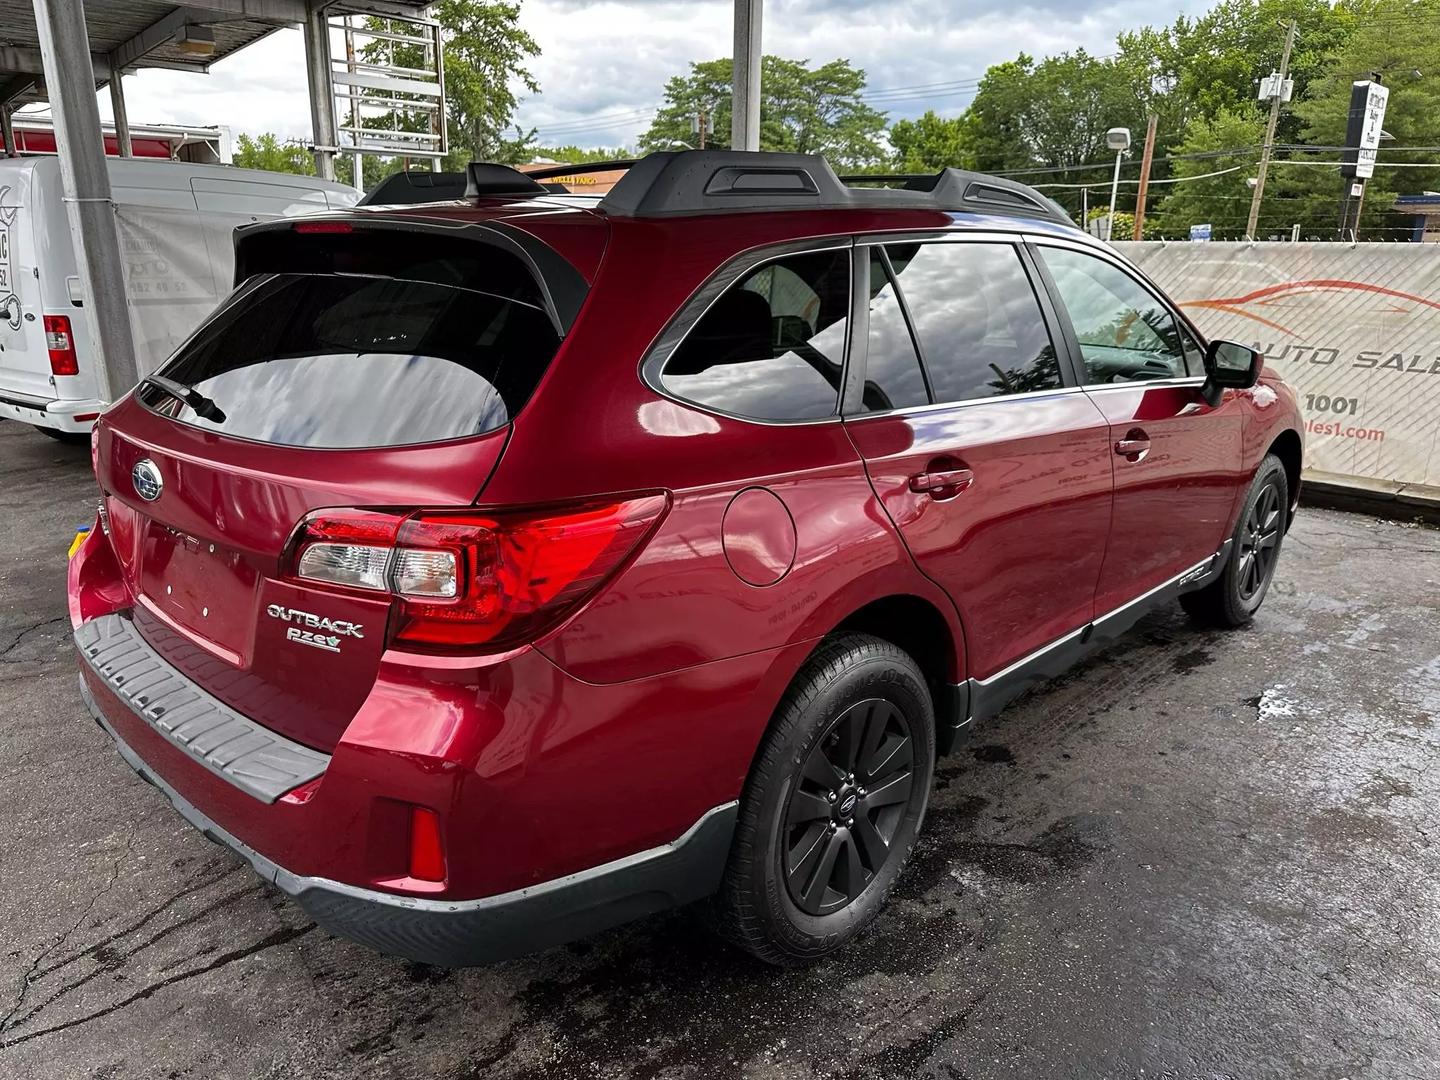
{"x": 122, "y": 118}
{"x": 322, "y": 94}
{"x": 70, "y": 83}
{"x": 745, "y": 110}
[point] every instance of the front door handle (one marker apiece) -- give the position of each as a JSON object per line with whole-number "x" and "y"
{"x": 1134, "y": 446}
{"x": 945, "y": 484}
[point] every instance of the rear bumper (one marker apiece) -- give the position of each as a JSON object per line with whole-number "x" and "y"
{"x": 460, "y": 933}
{"x": 56, "y": 415}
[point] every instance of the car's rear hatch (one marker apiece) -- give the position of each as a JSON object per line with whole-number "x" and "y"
{"x": 25, "y": 373}
{"x": 371, "y": 367}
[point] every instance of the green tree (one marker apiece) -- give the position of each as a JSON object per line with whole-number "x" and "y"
{"x": 1053, "y": 113}
{"x": 1197, "y": 67}
{"x": 932, "y": 142}
{"x": 1222, "y": 200}
{"x": 273, "y": 155}
{"x": 1400, "y": 41}
{"x": 803, "y": 110}
{"x": 580, "y": 155}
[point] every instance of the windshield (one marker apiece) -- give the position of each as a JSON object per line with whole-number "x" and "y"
{"x": 342, "y": 360}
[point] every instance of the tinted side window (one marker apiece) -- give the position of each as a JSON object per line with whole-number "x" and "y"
{"x": 893, "y": 379}
{"x": 773, "y": 345}
{"x": 980, "y": 327}
{"x": 1125, "y": 332}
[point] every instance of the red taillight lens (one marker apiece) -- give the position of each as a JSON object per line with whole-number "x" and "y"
{"x": 469, "y": 580}
{"x": 427, "y": 855}
{"x": 61, "y": 345}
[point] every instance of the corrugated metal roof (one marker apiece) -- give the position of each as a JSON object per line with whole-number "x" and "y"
{"x": 115, "y": 26}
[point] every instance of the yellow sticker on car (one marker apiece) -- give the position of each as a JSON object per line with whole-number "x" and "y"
{"x": 80, "y": 535}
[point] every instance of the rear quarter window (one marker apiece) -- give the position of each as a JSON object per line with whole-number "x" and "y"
{"x": 772, "y": 346}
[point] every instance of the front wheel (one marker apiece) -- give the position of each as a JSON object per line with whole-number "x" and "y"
{"x": 833, "y": 803}
{"x": 1233, "y": 598}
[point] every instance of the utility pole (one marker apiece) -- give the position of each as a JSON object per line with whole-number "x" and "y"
{"x": 1145, "y": 162}
{"x": 1275, "y": 102}
{"x": 702, "y": 128}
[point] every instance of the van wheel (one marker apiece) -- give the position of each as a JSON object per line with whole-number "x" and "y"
{"x": 832, "y": 805}
{"x": 70, "y": 438}
{"x": 1233, "y": 598}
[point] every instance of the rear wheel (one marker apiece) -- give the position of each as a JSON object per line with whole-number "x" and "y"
{"x": 1233, "y": 598}
{"x": 832, "y": 805}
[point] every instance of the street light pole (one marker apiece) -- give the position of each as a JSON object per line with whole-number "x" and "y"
{"x": 1117, "y": 139}
{"x": 1254, "y": 223}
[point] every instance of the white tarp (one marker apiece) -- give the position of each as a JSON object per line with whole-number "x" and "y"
{"x": 1354, "y": 328}
{"x": 171, "y": 266}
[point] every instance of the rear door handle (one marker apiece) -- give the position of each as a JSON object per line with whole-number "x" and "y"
{"x": 1134, "y": 446}
{"x": 944, "y": 484}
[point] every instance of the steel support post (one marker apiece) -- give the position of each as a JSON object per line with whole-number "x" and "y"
{"x": 745, "y": 108}
{"x": 122, "y": 118}
{"x": 7, "y": 131}
{"x": 70, "y": 83}
{"x": 322, "y": 94}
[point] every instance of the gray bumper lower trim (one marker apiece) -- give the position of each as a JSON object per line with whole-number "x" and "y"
{"x": 464, "y": 933}
{"x": 252, "y": 757}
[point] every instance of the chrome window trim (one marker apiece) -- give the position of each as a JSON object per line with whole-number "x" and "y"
{"x": 1145, "y": 384}
{"x": 968, "y": 403}
{"x": 652, "y": 364}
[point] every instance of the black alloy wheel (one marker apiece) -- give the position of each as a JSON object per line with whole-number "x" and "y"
{"x": 1259, "y": 542}
{"x": 842, "y": 815}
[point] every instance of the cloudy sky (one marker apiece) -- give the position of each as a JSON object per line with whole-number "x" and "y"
{"x": 604, "y": 64}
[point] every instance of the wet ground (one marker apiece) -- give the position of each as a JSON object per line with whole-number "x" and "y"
{"x": 1199, "y": 855}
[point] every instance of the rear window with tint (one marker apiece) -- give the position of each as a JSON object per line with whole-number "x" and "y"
{"x": 330, "y": 360}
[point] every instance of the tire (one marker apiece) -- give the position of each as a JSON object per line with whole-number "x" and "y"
{"x": 1232, "y": 599}
{"x": 69, "y": 438}
{"x": 858, "y": 699}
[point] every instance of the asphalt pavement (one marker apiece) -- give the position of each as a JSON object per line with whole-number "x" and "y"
{"x": 1201, "y": 854}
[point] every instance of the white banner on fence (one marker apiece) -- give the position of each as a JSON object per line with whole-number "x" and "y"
{"x": 1355, "y": 329}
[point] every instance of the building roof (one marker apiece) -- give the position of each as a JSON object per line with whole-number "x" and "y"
{"x": 131, "y": 34}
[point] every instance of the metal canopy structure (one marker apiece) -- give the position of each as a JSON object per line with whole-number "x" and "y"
{"x": 62, "y": 51}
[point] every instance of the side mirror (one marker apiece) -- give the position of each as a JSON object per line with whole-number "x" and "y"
{"x": 1229, "y": 366}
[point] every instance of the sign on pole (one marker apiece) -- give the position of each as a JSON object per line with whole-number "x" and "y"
{"x": 1362, "y": 133}
{"x": 1200, "y": 232}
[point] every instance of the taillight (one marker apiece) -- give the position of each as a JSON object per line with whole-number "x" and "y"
{"x": 470, "y": 580}
{"x": 61, "y": 345}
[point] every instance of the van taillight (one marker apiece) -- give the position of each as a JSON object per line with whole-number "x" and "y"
{"x": 61, "y": 345}
{"x": 471, "y": 580}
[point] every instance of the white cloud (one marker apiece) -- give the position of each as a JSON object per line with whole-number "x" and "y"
{"x": 603, "y": 65}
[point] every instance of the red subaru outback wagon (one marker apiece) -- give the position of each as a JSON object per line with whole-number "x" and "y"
{"x": 489, "y": 572}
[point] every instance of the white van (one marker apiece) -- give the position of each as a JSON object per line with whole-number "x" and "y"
{"x": 174, "y": 221}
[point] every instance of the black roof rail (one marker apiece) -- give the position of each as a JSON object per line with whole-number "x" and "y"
{"x": 675, "y": 183}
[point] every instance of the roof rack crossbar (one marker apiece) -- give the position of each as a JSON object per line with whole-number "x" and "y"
{"x": 676, "y": 183}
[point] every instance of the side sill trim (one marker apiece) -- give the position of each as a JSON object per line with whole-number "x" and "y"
{"x": 463, "y": 933}
{"x": 988, "y": 696}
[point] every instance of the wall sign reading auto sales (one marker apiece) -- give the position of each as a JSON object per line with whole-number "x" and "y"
{"x": 1355, "y": 329}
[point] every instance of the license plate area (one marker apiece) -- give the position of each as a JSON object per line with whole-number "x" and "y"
{"x": 202, "y": 589}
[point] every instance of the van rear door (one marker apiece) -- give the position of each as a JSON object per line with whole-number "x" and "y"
{"x": 25, "y": 376}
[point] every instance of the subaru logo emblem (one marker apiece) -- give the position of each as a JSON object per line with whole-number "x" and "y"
{"x": 147, "y": 480}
